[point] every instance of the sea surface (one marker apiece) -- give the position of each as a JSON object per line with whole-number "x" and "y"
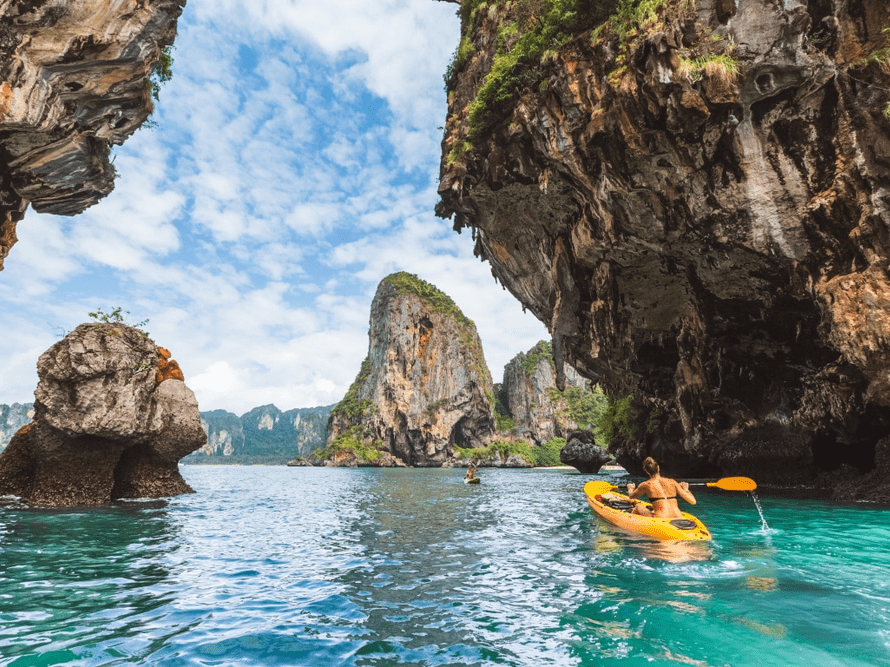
{"x": 326, "y": 566}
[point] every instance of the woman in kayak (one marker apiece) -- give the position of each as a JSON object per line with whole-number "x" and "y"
{"x": 662, "y": 493}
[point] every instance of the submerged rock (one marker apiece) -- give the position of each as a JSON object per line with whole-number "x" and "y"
{"x": 104, "y": 427}
{"x": 299, "y": 462}
{"x": 424, "y": 387}
{"x": 694, "y": 199}
{"x": 874, "y": 486}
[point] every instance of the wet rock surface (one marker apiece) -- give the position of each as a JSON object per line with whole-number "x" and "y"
{"x": 104, "y": 428}
{"x": 698, "y": 210}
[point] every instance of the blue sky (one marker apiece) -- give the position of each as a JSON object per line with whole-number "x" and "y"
{"x": 294, "y": 165}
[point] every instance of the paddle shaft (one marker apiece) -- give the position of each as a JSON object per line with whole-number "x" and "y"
{"x": 729, "y": 484}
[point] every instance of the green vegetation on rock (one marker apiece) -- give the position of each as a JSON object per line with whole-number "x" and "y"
{"x": 116, "y": 316}
{"x": 542, "y": 350}
{"x": 722, "y": 66}
{"x": 499, "y": 449}
{"x": 584, "y": 407}
{"x": 537, "y": 28}
{"x": 347, "y": 443}
{"x": 408, "y": 283}
{"x": 881, "y": 55}
{"x": 504, "y": 423}
{"x": 633, "y": 17}
{"x": 530, "y": 33}
{"x": 548, "y": 453}
{"x": 617, "y": 419}
{"x": 545, "y": 455}
{"x": 351, "y": 406}
{"x": 456, "y": 153}
{"x": 162, "y": 72}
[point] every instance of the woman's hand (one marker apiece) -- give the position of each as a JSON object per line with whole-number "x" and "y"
{"x": 685, "y": 486}
{"x": 631, "y": 487}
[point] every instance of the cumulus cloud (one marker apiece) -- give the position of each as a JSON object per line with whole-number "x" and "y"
{"x": 293, "y": 166}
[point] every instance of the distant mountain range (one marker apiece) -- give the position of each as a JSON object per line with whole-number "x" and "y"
{"x": 263, "y": 435}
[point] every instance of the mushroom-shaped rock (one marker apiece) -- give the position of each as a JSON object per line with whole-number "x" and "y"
{"x": 104, "y": 426}
{"x": 582, "y": 453}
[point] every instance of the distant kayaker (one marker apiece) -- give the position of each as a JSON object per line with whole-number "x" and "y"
{"x": 470, "y": 472}
{"x": 661, "y": 491}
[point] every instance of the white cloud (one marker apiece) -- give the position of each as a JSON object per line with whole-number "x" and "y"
{"x": 217, "y": 379}
{"x": 293, "y": 167}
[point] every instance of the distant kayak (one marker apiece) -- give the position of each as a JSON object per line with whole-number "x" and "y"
{"x": 474, "y": 480}
{"x": 617, "y": 508}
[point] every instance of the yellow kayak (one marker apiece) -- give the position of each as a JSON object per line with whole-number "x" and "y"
{"x": 617, "y": 508}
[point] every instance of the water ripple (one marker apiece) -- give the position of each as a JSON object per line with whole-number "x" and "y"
{"x": 293, "y": 566}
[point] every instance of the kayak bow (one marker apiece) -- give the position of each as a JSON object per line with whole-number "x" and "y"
{"x": 619, "y": 513}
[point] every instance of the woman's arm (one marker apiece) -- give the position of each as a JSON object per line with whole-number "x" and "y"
{"x": 634, "y": 491}
{"x": 684, "y": 492}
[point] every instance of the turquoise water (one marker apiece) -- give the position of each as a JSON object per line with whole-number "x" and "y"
{"x": 314, "y": 566}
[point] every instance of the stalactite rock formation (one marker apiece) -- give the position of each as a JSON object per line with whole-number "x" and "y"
{"x": 75, "y": 79}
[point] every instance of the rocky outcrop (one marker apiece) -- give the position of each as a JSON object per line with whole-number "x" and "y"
{"x": 12, "y": 418}
{"x": 848, "y": 485}
{"x": 103, "y": 427}
{"x": 528, "y": 394}
{"x": 694, "y": 198}
{"x": 76, "y": 79}
{"x": 424, "y": 387}
{"x": 582, "y": 452}
{"x": 265, "y": 434}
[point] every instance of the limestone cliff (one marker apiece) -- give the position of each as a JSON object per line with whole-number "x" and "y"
{"x": 104, "y": 426}
{"x": 695, "y": 198}
{"x": 76, "y": 79}
{"x": 424, "y": 387}
{"x": 265, "y": 434}
{"x": 538, "y": 410}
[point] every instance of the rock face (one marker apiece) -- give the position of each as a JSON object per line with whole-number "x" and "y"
{"x": 103, "y": 427}
{"x": 695, "y": 198}
{"x": 531, "y": 399}
{"x": 12, "y": 418}
{"x": 76, "y": 79}
{"x": 264, "y": 434}
{"x": 424, "y": 386}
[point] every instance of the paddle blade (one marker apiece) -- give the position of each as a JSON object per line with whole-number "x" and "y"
{"x": 735, "y": 484}
{"x": 597, "y": 488}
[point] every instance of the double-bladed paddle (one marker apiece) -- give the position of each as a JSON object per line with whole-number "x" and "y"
{"x": 727, "y": 484}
